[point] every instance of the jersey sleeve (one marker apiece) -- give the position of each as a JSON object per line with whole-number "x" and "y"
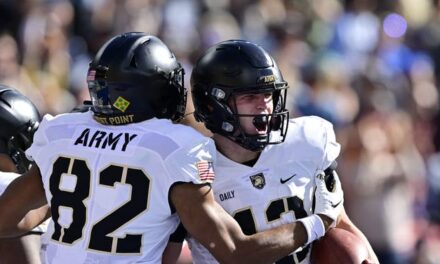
{"x": 321, "y": 141}
{"x": 331, "y": 148}
{"x": 193, "y": 162}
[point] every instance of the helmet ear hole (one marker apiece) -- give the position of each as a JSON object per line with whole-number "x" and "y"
{"x": 133, "y": 63}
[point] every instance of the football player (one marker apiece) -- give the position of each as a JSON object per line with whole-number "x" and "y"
{"x": 266, "y": 162}
{"x": 115, "y": 176}
{"x": 19, "y": 119}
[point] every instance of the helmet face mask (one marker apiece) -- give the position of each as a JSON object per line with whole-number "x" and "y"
{"x": 234, "y": 68}
{"x": 134, "y": 77}
{"x": 17, "y": 154}
{"x": 225, "y": 120}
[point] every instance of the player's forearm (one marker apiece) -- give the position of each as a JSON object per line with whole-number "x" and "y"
{"x": 17, "y": 210}
{"x": 8, "y": 230}
{"x": 171, "y": 253}
{"x": 33, "y": 218}
{"x": 222, "y": 236}
{"x": 8, "y": 224}
{"x": 264, "y": 247}
{"x": 228, "y": 244}
{"x": 16, "y": 226}
{"x": 8, "y": 220}
{"x": 269, "y": 246}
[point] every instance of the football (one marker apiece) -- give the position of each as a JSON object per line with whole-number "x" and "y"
{"x": 339, "y": 246}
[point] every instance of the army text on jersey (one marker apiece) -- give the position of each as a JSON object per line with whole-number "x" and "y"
{"x": 103, "y": 139}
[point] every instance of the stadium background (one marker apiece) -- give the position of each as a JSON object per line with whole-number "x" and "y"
{"x": 370, "y": 67}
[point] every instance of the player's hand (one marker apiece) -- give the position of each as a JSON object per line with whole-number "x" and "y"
{"x": 329, "y": 203}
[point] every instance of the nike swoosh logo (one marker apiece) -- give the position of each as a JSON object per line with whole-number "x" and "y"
{"x": 336, "y": 205}
{"x": 282, "y": 181}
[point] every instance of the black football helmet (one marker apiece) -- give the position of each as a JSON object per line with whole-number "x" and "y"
{"x": 236, "y": 67}
{"x": 135, "y": 77}
{"x": 19, "y": 119}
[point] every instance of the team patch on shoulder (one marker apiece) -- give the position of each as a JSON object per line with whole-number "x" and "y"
{"x": 205, "y": 170}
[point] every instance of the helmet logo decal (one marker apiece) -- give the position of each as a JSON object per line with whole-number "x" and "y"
{"x": 121, "y": 104}
{"x": 258, "y": 180}
{"x": 266, "y": 79}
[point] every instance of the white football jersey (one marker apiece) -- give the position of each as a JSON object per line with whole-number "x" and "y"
{"x": 279, "y": 188}
{"x": 108, "y": 186}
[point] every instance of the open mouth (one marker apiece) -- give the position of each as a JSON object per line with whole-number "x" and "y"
{"x": 261, "y": 123}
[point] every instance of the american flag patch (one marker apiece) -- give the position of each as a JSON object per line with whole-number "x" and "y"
{"x": 206, "y": 171}
{"x": 91, "y": 75}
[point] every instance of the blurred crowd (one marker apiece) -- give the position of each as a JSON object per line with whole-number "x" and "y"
{"x": 370, "y": 67}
